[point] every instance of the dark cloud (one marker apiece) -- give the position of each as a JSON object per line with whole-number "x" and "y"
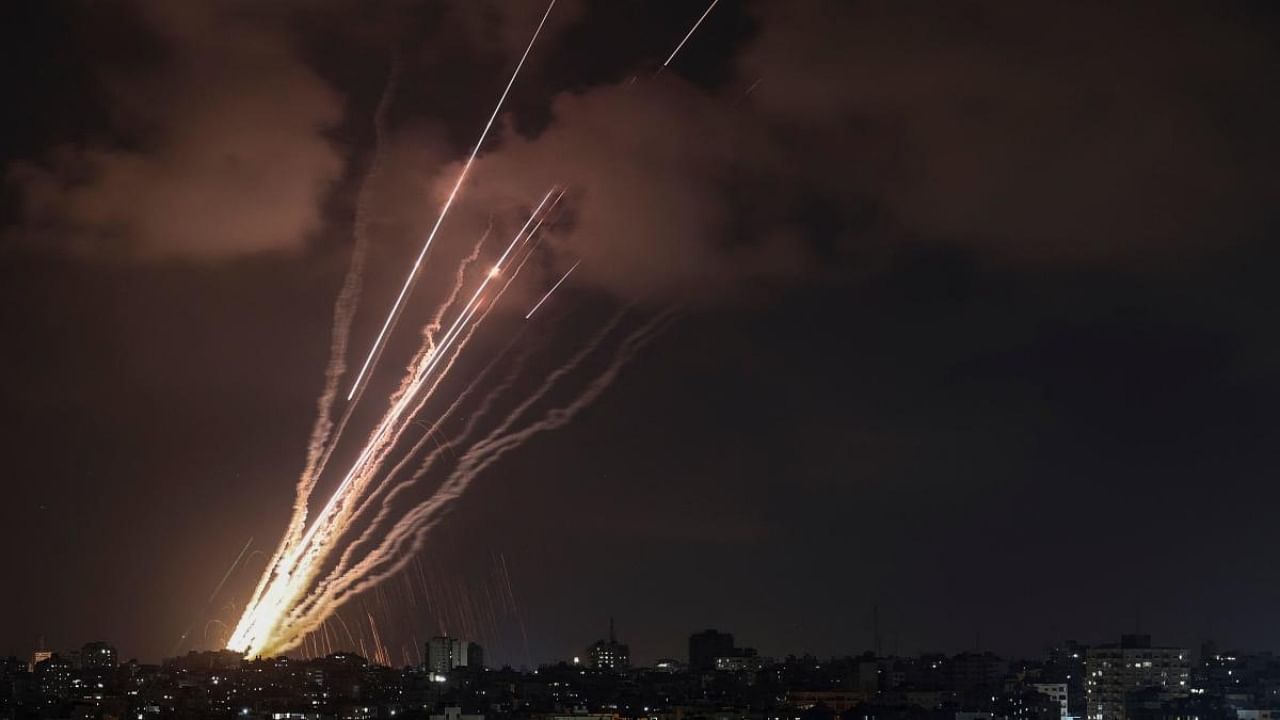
{"x": 1038, "y": 131}
{"x": 648, "y": 167}
{"x": 494, "y": 26}
{"x": 224, "y": 150}
{"x": 1059, "y": 132}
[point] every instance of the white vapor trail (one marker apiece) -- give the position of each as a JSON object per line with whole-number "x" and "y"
{"x": 391, "y": 556}
{"x": 324, "y": 434}
{"x": 293, "y": 570}
{"x": 394, "y": 314}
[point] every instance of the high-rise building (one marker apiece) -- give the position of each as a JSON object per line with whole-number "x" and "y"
{"x": 609, "y": 655}
{"x": 53, "y": 678}
{"x": 706, "y": 646}
{"x": 1064, "y": 663}
{"x": 743, "y": 664}
{"x": 971, "y": 671}
{"x": 1057, "y": 692}
{"x": 98, "y": 656}
{"x": 1113, "y": 672}
{"x": 445, "y": 653}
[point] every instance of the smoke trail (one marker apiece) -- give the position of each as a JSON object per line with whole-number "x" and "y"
{"x": 349, "y": 298}
{"x": 394, "y": 316}
{"x": 568, "y": 367}
{"x": 295, "y": 569}
{"x": 412, "y": 383}
{"x": 348, "y": 301}
{"x": 390, "y": 556}
{"x": 476, "y": 415}
{"x": 344, "y": 310}
{"x": 429, "y": 332}
{"x": 422, "y": 519}
{"x": 427, "y": 346}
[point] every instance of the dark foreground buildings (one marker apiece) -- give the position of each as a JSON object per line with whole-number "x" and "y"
{"x": 1129, "y": 680}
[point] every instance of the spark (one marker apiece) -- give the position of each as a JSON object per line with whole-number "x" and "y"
{"x": 689, "y": 34}
{"x": 394, "y": 314}
{"x": 553, "y": 289}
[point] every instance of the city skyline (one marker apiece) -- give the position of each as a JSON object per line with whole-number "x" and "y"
{"x": 1132, "y": 678}
{"x": 712, "y": 643}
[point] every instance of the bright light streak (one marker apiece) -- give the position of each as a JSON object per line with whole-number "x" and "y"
{"x": 291, "y": 573}
{"x": 394, "y": 314}
{"x": 689, "y": 34}
{"x": 553, "y": 289}
{"x": 230, "y": 570}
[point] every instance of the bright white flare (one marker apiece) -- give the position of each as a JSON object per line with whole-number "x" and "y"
{"x": 689, "y": 34}
{"x": 553, "y": 289}
{"x": 394, "y": 314}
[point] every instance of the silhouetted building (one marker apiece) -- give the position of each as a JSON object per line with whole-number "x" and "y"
{"x": 1115, "y": 671}
{"x": 1056, "y": 692}
{"x": 98, "y": 656}
{"x": 668, "y": 665}
{"x": 972, "y": 671}
{"x": 745, "y": 663}
{"x": 610, "y": 654}
{"x": 705, "y": 647}
{"x": 445, "y": 653}
{"x": 1065, "y": 664}
{"x": 38, "y": 657}
{"x": 53, "y": 679}
{"x": 206, "y": 661}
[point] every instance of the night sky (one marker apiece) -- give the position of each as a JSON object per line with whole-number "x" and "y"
{"x": 976, "y": 314}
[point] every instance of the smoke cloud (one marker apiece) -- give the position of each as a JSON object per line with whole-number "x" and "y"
{"x": 1033, "y": 134}
{"x": 1054, "y": 132}
{"x": 1037, "y": 132}
{"x": 223, "y": 149}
